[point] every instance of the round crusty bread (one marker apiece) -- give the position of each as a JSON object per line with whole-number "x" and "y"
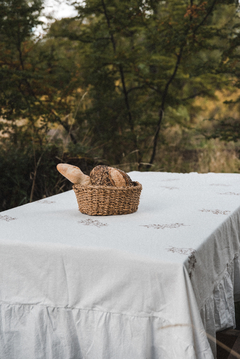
{"x": 108, "y": 176}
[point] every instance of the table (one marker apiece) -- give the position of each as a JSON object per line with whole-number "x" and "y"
{"x": 144, "y": 285}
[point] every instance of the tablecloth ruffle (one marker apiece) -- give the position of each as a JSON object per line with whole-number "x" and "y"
{"x": 41, "y": 332}
{"x": 218, "y": 311}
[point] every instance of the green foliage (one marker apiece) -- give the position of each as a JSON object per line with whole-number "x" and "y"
{"x": 17, "y": 19}
{"x": 18, "y": 184}
{"x": 37, "y": 77}
{"x": 117, "y": 78}
{"x": 227, "y": 129}
{"x": 147, "y": 59}
{"x": 29, "y": 173}
{"x": 140, "y": 64}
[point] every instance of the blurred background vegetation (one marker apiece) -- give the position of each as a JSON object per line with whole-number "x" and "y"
{"x": 136, "y": 84}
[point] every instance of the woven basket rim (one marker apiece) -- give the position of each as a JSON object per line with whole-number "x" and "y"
{"x": 137, "y": 185}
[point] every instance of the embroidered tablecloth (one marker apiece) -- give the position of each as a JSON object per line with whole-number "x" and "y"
{"x": 144, "y": 285}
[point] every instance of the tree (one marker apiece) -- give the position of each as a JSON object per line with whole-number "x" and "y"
{"x": 139, "y": 64}
{"x": 226, "y": 127}
{"x": 186, "y": 44}
{"x": 36, "y": 79}
{"x": 17, "y": 21}
{"x": 106, "y": 44}
{"x": 144, "y": 60}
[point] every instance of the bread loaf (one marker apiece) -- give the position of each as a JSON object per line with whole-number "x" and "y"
{"x": 109, "y": 176}
{"x": 73, "y": 174}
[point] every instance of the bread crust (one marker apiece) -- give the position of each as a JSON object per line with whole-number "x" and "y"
{"x": 73, "y": 174}
{"x": 108, "y": 176}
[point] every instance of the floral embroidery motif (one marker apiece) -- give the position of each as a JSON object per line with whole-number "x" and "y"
{"x": 219, "y": 184}
{"x": 185, "y": 251}
{"x": 169, "y": 187}
{"x": 91, "y": 222}
{"x": 191, "y": 264}
{"x": 162, "y": 226}
{"x": 215, "y": 211}
{"x": 190, "y": 252}
{"x": 7, "y": 218}
{"x": 171, "y": 179}
{"x": 45, "y": 201}
{"x": 231, "y": 193}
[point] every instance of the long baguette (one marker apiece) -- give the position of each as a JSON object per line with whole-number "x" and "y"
{"x": 73, "y": 174}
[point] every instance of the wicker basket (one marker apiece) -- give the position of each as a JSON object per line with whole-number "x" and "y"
{"x": 107, "y": 200}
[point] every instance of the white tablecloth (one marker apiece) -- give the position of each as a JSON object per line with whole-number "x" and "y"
{"x": 141, "y": 286}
